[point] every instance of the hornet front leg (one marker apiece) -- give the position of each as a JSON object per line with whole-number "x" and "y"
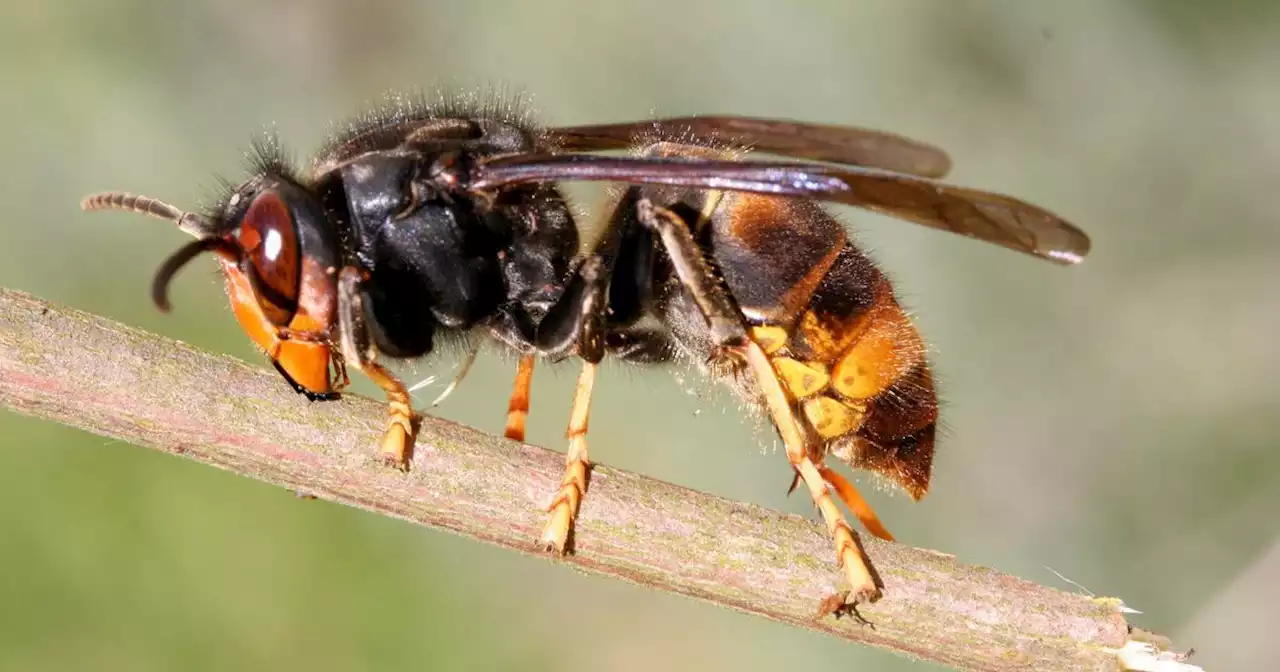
{"x": 358, "y": 350}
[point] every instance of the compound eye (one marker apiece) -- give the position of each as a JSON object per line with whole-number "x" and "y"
{"x": 269, "y": 239}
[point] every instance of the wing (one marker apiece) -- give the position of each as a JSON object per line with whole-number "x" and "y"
{"x": 835, "y": 144}
{"x": 997, "y": 219}
{"x": 373, "y": 133}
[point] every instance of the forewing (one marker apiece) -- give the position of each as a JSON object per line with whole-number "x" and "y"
{"x": 994, "y": 218}
{"x": 818, "y": 142}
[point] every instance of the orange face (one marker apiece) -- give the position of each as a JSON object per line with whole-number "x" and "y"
{"x": 277, "y": 286}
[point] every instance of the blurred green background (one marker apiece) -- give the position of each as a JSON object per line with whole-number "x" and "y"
{"x": 1116, "y": 422}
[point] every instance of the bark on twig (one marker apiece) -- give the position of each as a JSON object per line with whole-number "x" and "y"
{"x": 116, "y": 381}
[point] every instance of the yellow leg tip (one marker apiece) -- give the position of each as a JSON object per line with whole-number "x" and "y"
{"x": 555, "y": 536}
{"x": 863, "y": 585}
{"x": 395, "y": 448}
{"x": 866, "y": 593}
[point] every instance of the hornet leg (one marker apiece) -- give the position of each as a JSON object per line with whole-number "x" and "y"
{"x": 573, "y": 485}
{"x": 577, "y": 320}
{"x": 518, "y": 405}
{"x": 727, "y": 330}
{"x": 397, "y": 440}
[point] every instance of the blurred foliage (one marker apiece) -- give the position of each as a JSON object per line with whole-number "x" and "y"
{"x": 1116, "y": 422}
{"x": 1192, "y": 21}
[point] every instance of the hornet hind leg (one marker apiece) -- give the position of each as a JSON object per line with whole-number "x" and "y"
{"x": 729, "y": 335}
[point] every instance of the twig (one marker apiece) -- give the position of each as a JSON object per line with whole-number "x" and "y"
{"x": 113, "y": 380}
